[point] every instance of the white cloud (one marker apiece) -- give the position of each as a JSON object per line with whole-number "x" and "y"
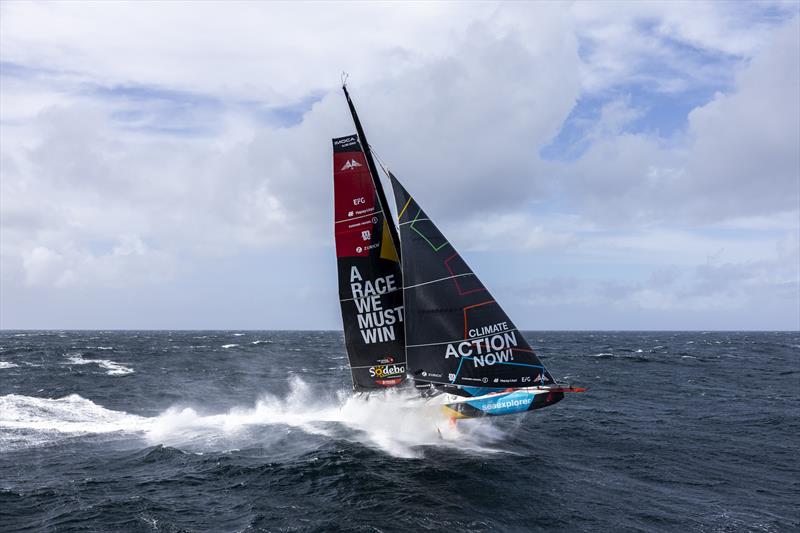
{"x": 129, "y": 263}
{"x": 240, "y": 50}
{"x": 136, "y": 139}
{"x": 626, "y": 40}
{"x": 739, "y": 157}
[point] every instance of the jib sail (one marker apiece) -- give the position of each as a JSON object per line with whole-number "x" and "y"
{"x": 456, "y": 333}
{"x": 370, "y": 279}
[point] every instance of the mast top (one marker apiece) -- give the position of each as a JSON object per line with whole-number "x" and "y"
{"x": 373, "y": 170}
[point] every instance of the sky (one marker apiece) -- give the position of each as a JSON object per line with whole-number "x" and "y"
{"x": 600, "y": 165}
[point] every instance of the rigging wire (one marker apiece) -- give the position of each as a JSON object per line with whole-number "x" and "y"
{"x": 384, "y": 167}
{"x": 388, "y": 174}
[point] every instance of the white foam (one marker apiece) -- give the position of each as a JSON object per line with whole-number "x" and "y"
{"x": 230, "y": 345}
{"x": 261, "y": 342}
{"x": 100, "y": 347}
{"x": 387, "y": 422}
{"x": 6, "y": 364}
{"x": 112, "y": 368}
{"x": 71, "y": 414}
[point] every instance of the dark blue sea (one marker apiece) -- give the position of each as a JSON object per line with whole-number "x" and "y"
{"x": 257, "y": 431}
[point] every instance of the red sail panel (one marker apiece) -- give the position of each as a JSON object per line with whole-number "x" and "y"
{"x": 370, "y": 279}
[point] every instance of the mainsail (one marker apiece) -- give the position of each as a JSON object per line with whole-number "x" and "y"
{"x": 456, "y": 333}
{"x": 370, "y": 280}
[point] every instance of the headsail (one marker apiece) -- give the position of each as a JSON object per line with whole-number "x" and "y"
{"x": 456, "y": 333}
{"x": 370, "y": 280}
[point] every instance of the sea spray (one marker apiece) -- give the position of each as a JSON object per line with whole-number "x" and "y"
{"x": 394, "y": 422}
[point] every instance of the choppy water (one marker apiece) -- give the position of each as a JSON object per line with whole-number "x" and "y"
{"x": 255, "y": 431}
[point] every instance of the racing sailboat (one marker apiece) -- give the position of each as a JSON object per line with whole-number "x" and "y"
{"x": 414, "y": 311}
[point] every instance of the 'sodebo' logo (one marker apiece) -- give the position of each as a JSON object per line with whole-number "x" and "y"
{"x": 387, "y": 371}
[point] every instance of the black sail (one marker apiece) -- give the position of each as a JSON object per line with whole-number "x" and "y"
{"x": 370, "y": 280}
{"x": 456, "y": 333}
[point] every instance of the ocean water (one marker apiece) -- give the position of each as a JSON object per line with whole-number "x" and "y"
{"x": 256, "y": 431}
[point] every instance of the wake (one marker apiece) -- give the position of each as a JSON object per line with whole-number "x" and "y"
{"x": 388, "y": 422}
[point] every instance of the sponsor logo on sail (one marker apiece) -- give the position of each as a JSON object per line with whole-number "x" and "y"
{"x": 351, "y": 164}
{"x": 387, "y": 371}
{"x": 345, "y": 141}
{"x": 386, "y": 360}
{"x": 366, "y": 235}
{"x": 372, "y": 246}
{"x": 451, "y": 377}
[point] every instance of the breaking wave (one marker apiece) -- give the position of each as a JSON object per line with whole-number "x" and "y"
{"x": 387, "y": 422}
{"x": 112, "y": 368}
{"x": 6, "y": 364}
{"x": 68, "y": 415}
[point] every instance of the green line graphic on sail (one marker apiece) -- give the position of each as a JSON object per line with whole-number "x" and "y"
{"x": 418, "y": 232}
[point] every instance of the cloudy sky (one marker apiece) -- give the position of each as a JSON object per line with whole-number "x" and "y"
{"x": 601, "y": 165}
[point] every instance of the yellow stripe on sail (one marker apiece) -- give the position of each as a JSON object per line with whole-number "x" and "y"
{"x": 400, "y": 214}
{"x": 387, "y": 246}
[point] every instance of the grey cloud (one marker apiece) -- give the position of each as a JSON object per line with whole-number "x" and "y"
{"x": 459, "y": 111}
{"x": 740, "y": 156}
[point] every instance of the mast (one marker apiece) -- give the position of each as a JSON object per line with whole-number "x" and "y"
{"x": 373, "y": 171}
